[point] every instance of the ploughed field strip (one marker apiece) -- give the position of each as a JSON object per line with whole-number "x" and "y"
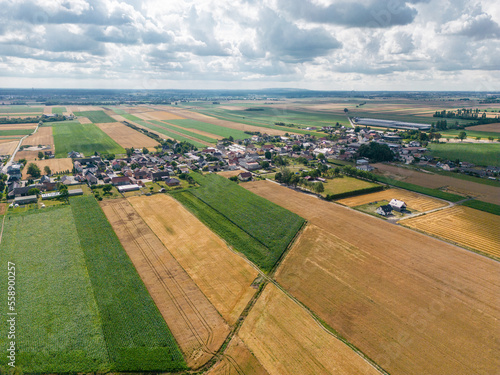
{"x": 410, "y": 302}
{"x": 195, "y": 323}
{"x": 223, "y": 276}
{"x": 127, "y": 137}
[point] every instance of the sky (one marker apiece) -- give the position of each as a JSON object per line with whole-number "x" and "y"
{"x": 410, "y": 45}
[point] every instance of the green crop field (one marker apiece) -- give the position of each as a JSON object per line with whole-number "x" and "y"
{"x": 210, "y": 128}
{"x": 20, "y": 109}
{"x": 81, "y": 305}
{"x": 16, "y": 132}
{"x": 58, "y": 110}
{"x": 184, "y": 131}
{"x": 136, "y": 334}
{"x": 97, "y": 117}
{"x": 85, "y": 138}
{"x": 478, "y": 153}
{"x": 345, "y": 184}
{"x": 269, "y": 228}
{"x": 483, "y": 206}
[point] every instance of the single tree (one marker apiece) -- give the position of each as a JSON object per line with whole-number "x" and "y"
{"x": 462, "y": 135}
{"x": 34, "y": 170}
{"x": 268, "y": 155}
{"x": 33, "y": 191}
{"x": 40, "y": 155}
{"x": 107, "y": 188}
{"x": 47, "y": 170}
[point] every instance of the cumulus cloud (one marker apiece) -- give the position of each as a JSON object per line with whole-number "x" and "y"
{"x": 298, "y": 42}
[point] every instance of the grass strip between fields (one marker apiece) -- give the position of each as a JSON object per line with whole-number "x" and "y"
{"x": 16, "y": 132}
{"x": 420, "y": 189}
{"x": 137, "y": 337}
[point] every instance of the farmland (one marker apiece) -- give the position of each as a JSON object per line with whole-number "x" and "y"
{"x": 15, "y": 132}
{"x": 58, "y": 110}
{"x": 196, "y": 325}
{"x": 136, "y": 334}
{"x": 411, "y": 303}
{"x": 210, "y": 128}
{"x": 268, "y": 224}
{"x": 95, "y": 116}
{"x": 60, "y": 329}
{"x": 345, "y": 184}
{"x": 224, "y": 277}
{"x": 414, "y": 201}
{"x": 19, "y": 109}
{"x": 181, "y": 130}
{"x": 479, "y": 154}
{"x": 279, "y": 331}
{"x": 7, "y": 148}
{"x": 43, "y": 136}
{"x": 435, "y": 181}
{"x": 84, "y": 138}
{"x": 55, "y": 165}
{"x": 75, "y": 316}
{"x": 237, "y": 359}
{"x": 127, "y": 137}
{"x": 462, "y": 225}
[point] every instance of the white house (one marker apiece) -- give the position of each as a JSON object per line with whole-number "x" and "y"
{"x": 397, "y": 205}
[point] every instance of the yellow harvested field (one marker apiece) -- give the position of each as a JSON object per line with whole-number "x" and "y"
{"x": 285, "y": 339}
{"x": 159, "y": 115}
{"x": 195, "y": 323}
{"x": 223, "y": 276}
{"x": 412, "y": 303}
{"x": 121, "y": 118}
{"x": 43, "y": 136}
{"x": 201, "y": 132}
{"x": 55, "y": 165}
{"x": 8, "y": 148}
{"x": 3, "y": 209}
{"x": 413, "y": 200}
{"x": 482, "y": 192}
{"x": 237, "y": 360}
{"x": 464, "y": 226}
{"x": 127, "y": 137}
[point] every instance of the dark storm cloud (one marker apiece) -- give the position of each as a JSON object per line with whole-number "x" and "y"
{"x": 375, "y": 14}
{"x": 287, "y": 42}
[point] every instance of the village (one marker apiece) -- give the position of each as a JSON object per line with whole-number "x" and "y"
{"x": 260, "y": 156}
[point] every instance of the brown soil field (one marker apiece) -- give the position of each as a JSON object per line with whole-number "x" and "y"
{"x": 223, "y": 276}
{"x": 228, "y": 124}
{"x": 7, "y": 139}
{"x": 84, "y": 120}
{"x": 485, "y": 128}
{"x": 195, "y": 323}
{"x": 28, "y": 155}
{"x": 8, "y": 148}
{"x": 125, "y": 136}
{"x": 55, "y": 165}
{"x": 3, "y": 208}
{"x": 237, "y": 360}
{"x": 43, "y": 136}
{"x": 412, "y": 303}
{"x": 228, "y": 174}
{"x": 482, "y": 192}
{"x": 161, "y": 115}
{"x": 121, "y": 118}
{"x": 47, "y": 110}
{"x": 462, "y": 225}
{"x": 413, "y": 200}
{"x": 285, "y": 339}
